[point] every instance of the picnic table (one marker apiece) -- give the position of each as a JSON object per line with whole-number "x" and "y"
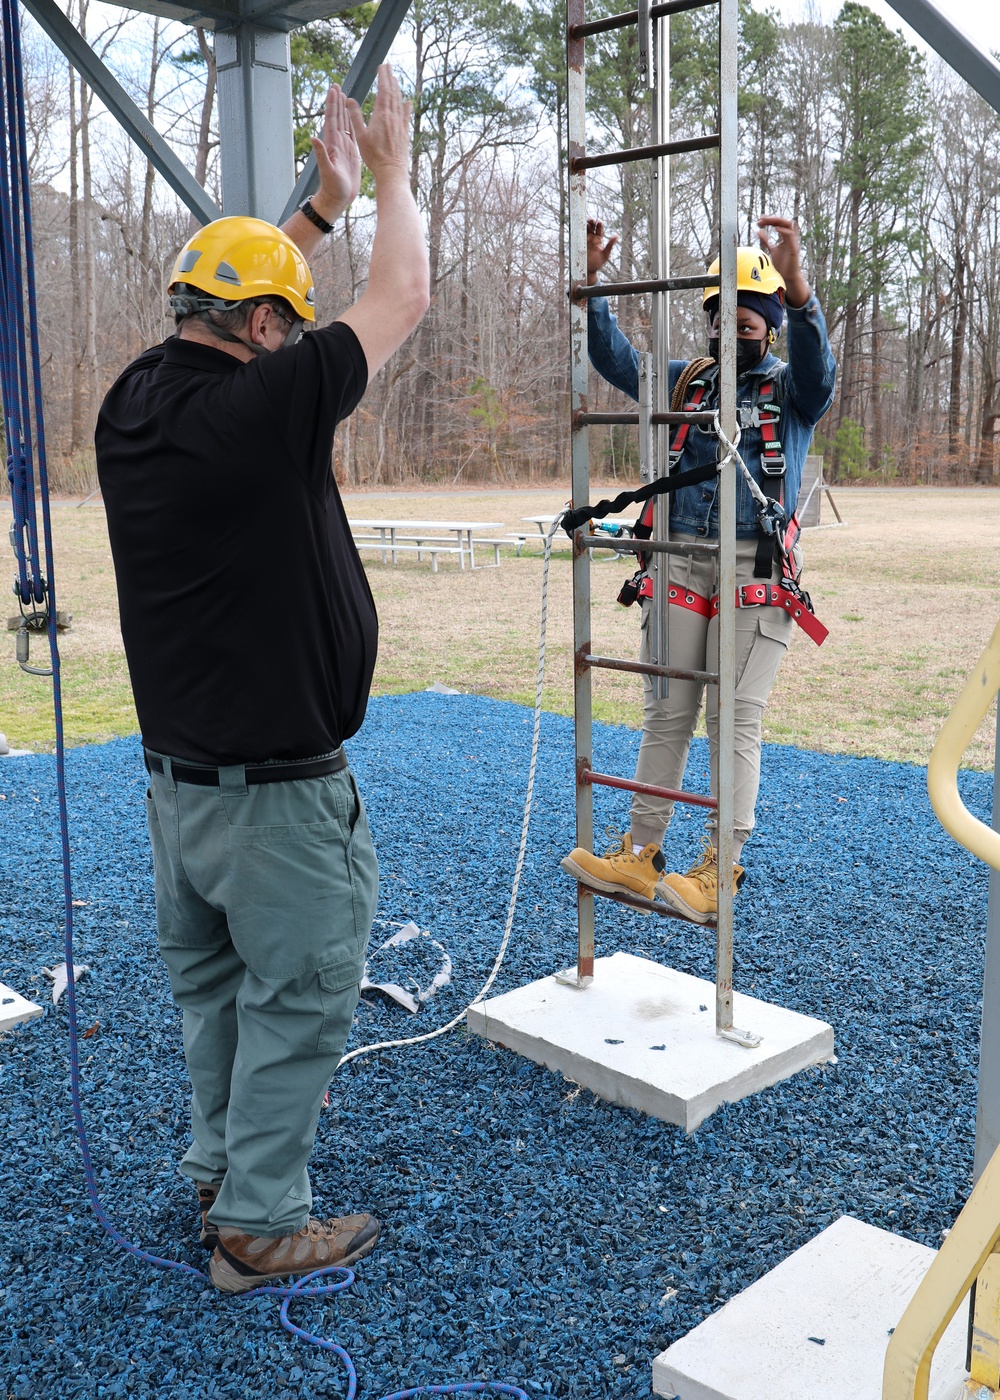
{"x": 542, "y": 521}
{"x": 396, "y": 536}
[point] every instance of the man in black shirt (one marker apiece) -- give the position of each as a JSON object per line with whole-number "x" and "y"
{"x": 251, "y": 637}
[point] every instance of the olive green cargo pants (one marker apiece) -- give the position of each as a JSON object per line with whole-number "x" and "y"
{"x": 265, "y": 897}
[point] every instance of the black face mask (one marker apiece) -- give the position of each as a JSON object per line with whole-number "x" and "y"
{"x": 749, "y": 353}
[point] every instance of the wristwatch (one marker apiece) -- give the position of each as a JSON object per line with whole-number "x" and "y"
{"x": 314, "y": 218}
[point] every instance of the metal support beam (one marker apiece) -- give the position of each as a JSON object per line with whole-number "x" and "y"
{"x": 255, "y": 119}
{"x": 83, "y": 58}
{"x": 371, "y": 52}
{"x": 979, "y": 69}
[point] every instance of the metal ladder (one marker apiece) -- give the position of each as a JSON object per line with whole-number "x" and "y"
{"x": 654, "y": 421}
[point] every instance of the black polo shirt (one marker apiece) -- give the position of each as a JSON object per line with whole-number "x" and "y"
{"x": 248, "y": 623}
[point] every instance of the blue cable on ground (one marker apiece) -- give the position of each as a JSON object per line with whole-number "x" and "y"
{"x": 25, "y": 436}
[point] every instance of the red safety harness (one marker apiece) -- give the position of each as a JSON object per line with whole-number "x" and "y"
{"x": 765, "y": 414}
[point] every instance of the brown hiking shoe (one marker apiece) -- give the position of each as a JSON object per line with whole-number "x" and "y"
{"x": 207, "y": 1193}
{"x": 244, "y": 1261}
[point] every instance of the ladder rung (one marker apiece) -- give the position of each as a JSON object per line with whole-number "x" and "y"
{"x": 648, "y": 668}
{"x": 664, "y": 284}
{"x": 622, "y": 21}
{"x": 590, "y": 420}
{"x": 692, "y": 799}
{"x": 631, "y": 153}
{"x": 688, "y": 548}
{"x": 637, "y": 901}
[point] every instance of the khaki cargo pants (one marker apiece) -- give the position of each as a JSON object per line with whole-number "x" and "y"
{"x": 762, "y": 636}
{"x": 265, "y": 897}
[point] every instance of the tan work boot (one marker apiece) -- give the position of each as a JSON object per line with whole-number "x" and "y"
{"x": 619, "y": 870}
{"x": 696, "y": 894}
{"x": 242, "y": 1261}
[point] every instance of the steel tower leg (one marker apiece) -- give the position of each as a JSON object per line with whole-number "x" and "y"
{"x": 255, "y": 120}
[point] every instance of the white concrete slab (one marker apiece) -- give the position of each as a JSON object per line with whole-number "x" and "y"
{"x": 814, "y": 1328}
{"x": 643, "y": 1035}
{"x": 15, "y": 1008}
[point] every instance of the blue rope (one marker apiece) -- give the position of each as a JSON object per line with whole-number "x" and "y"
{"x": 22, "y": 407}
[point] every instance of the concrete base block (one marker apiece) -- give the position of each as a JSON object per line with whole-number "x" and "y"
{"x": 15, "y": 1008}
{"x": 816, "y": 1326}
{"x": 644, "y": 1036}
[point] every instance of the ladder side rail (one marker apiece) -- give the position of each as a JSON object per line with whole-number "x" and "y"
{"x": 576, "y": 110}
{"x": 660, "y": 239}
{"x": 728, "y": 48}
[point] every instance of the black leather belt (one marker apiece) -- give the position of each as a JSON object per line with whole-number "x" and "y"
{"x": 255, "y": 773}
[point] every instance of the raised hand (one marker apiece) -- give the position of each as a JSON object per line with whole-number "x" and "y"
{"x": 384, "y": 142}
{"x": 598, "y": 252}
{"x": 338, "y": 160}
{"x": 781, "y": 240}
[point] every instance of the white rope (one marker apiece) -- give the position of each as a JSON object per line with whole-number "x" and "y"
{"x": 733, "y": 455}
{"x": 456, "y": 1020}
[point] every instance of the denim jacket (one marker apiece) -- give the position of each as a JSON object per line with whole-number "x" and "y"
{"x": 807, "y": 380}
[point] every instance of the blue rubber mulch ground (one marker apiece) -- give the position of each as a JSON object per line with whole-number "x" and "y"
{"x": 533, "y": 1233}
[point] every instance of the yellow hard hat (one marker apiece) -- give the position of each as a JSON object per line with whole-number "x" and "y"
{"x": 755, "y": 272}
{"x": 233, "y": 259}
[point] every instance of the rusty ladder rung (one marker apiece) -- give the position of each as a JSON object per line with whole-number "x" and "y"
{"x": 691, "y": 799}
{"x": 649, "y": 906}
{"x": 652, "y": 284}
{"x": 587, "y": 420}
{"x": 634, "y": 153}
{"x": 622, "y": 21}
{"x": 650, "y": 668}
{"x": 634, "y": 546}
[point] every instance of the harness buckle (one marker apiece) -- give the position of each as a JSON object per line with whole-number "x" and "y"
{"x": 748, "y": 415}
{"x": 772, "y": 463}
{"x": 772, "y": 518}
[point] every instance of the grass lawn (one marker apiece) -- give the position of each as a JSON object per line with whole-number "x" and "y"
{"x": 910, "y": 589}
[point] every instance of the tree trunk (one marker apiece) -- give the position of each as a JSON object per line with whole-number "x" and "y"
{"x": 959, "y": 334}
{"x": 205, "y": 142}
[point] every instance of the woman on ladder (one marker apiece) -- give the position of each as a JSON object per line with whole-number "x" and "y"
{"x": 779, "y": 405}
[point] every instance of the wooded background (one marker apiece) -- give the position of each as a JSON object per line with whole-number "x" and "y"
{"x": 889, "y": 163}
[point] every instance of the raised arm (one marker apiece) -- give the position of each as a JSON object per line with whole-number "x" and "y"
{"x": 398, "y": 291}
{"x": 811, "y": 376}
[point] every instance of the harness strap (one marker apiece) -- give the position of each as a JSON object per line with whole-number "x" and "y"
{"x": 752, "y": 595}
{"x": 684, "y": 598}
{"x": 698, "y": 377}
{"x": 770, "y": 595}
{"x": 772, "y": 474}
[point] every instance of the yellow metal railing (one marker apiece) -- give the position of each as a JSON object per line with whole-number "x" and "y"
{"x": 970, "y": 1254}
{"x": 956, "y": 736}
{"x": 959, "y": 1262}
